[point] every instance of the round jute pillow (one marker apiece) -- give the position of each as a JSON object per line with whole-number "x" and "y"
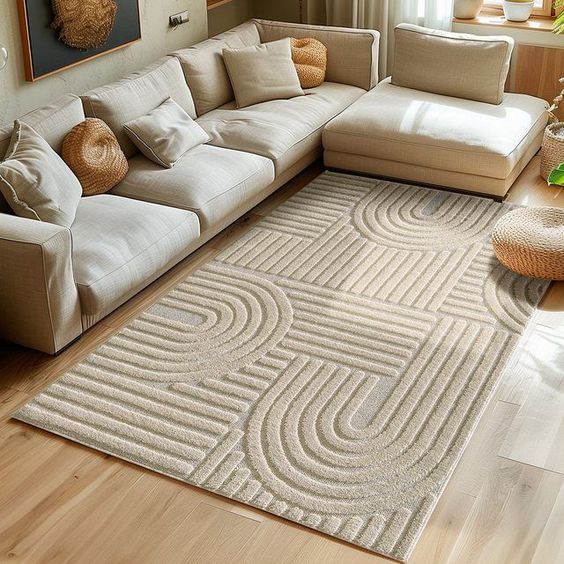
{"x": 310, "y": 60}
{"x": 530, "y": 241}
{"x": 84, "y": 24}
{"x": 92, "y": 152}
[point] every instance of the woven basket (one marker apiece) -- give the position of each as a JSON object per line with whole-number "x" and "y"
{"x": 552, "y": 153}
{"x": 310, "y": 60}
{"x": 92, "y": 152}
{"x": 84, "y": 24}
{"x": 530, "y": 241}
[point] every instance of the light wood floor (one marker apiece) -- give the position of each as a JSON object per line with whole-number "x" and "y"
{"x": 61, "y": 502}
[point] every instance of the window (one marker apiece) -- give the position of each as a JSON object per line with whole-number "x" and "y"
{"x": 542, "y": 7}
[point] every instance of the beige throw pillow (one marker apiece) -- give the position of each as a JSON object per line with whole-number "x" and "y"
{"x": 262, "y": 72}
{"x": 453, "y": 64}
{"x": 36, "y": 182}
{"x": 205, "y": 70}
{"x": 165, "y": 133}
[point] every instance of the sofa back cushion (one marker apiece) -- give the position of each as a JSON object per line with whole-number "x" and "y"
{"x": 205, "y": 70}
{"x": 52, "y": 122}
{"x": 136, "y": 95}
{"x": 453, "y": 64}
{"x": 352, "y": 54}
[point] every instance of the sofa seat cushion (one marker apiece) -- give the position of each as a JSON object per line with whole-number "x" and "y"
{"x": 450, "y": 134}
{"x": 210, "y": 181}
{"x": 282, "y": 130}
{"x": 121, "y": 245}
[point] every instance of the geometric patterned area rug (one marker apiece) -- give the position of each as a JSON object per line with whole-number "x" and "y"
{"x": 328, "y": 367}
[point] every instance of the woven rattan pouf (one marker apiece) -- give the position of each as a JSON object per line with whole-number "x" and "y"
{"x": 92, "y": 152}
{"x": 310, "y": 59}
{"x": 530, "y": 241}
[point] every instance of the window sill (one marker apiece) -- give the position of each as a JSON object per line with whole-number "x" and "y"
{"x": 534, "y": 23}
{"x": 216, "y": 3}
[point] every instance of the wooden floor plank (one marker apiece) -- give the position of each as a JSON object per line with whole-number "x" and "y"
{"x": 509, "y": 516}
{"x": 536, "y": 436}
{"x": 10, "y": 400}
{"x": 482, "y": 524}
{"x": 480, "y": 457}
{"x": 441, "y": 534}
{"x": 524, "y": 518}
{"x": 207, "y": 535}
{"x": 531, "y": 190}
{"x": 550, "y": 547}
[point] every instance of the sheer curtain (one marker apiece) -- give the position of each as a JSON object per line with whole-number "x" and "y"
{"x": 436, "y": 14}
{"x": 382, "y": 15}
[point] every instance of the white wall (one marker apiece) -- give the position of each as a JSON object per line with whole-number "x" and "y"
{"x": 18, "y": 96}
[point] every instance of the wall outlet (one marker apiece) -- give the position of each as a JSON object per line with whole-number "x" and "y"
{"x": 179, "y": 19}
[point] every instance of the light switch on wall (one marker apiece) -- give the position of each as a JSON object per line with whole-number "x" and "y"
{"x": 179, "y": 19}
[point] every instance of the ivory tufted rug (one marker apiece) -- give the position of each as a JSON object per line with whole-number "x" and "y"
{"x": 329, "y": 367}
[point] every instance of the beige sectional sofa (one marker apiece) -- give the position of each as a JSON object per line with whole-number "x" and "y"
{"x": 55, "y": 282}
{"x": 465, "y": 134}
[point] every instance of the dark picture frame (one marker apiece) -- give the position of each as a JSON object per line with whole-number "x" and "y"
{"x": 45, "y": 54}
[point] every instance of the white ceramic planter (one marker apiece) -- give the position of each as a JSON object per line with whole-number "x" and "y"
{"x": 467, "y": 9}
{"x": 517, "y": 11}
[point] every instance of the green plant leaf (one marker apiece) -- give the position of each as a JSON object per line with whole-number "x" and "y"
{"x": 558, "y": 26}
{"x": 557, "y": 176}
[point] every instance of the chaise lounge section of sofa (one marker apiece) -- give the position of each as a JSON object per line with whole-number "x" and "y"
{"x": 442, "y": 118}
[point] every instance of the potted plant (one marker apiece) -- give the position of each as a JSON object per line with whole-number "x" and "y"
{"x": 467, "y": 9}
{"x": 558, "y": 27}
{"x": 518, "y": 10}
{"x": 552, "y": 153}
{"x": 557, "y": 176}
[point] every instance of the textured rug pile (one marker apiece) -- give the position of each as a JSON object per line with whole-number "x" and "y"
{"x": 328, "y": 367}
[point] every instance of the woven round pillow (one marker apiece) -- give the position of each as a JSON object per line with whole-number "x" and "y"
{"x": 310, "y": 60}
{"x": 530, "y": 241}
{"x": 92, "y": 152}
{"x": 84, "y": 24}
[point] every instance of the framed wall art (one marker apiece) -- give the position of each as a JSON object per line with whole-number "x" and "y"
{"x": 59, "y": 34}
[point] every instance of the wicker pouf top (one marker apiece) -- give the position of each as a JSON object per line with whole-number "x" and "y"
{"x": 530, "y": 241}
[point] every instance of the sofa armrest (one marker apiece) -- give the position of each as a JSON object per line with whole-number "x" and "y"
{"x": 352, "y": 54}
{"x": 39, "y": 305}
